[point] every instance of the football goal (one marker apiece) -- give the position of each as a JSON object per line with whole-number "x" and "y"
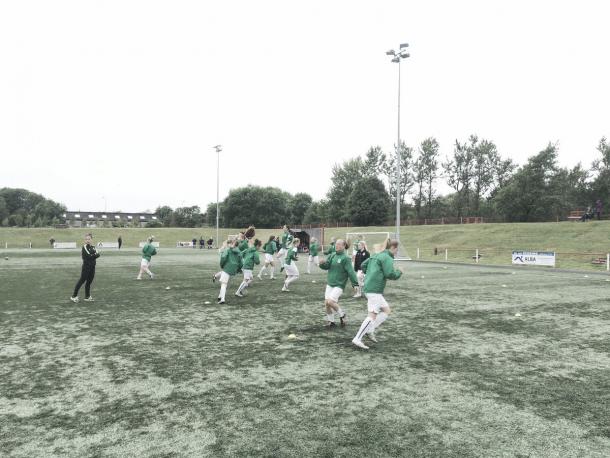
{"x": 375, "y": 239}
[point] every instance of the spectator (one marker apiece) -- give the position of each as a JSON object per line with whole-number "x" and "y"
{"x": 201, "y": 243}
{"x": 120, "y": 241}
{"x": 52, "y": 242}
{"x": 194, "y": 242}
{"x": 598, "y": 209}
{"x": 210, "y": 243}
{"x": 587, "y": 215}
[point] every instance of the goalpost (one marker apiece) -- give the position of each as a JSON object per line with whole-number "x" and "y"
{"x": 374, "y": 238}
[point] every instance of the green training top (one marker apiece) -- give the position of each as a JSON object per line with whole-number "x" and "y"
{"x": 231, "y": 261}
{"x": 330, "y": 249}
{"x": 250, "y": 258}
{"x": 287, "y": 238}
{"x": 270, "y": 247}
{"x": 314, "y": 249}
{"x": 243, "y": 245}
{"x": 292, "y": 255}
{"x": 340, "y": 268}
{"x": 378, "y": 269}
{"x": 148, "y": 251}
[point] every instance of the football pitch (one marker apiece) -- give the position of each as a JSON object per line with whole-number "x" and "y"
{"x": 474, "y": 361}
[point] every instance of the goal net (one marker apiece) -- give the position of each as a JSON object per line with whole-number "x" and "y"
{"x": 375, "y": 240}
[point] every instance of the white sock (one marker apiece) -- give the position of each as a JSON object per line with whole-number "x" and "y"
{"x": 330, "y": 317}
{"x": 309, "y": 264}
{"x": 150, "y": 274}
{"x": 223, "y": 291}
{"x": 341, "y": 312}
{"x": 260, "y": 274}
{"x": 218, "y": 275}
{"x": 381, "y": 317}
{"x": 242, "y": 286}
{"x": 364, "y": 327}
{"x": 291, "y": 278}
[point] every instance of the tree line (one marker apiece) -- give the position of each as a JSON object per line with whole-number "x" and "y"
{"x": 23, "y": 208}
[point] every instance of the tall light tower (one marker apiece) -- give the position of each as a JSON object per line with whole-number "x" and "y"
{"x": 397, "y": 57}
{"x": 218, "y": 149}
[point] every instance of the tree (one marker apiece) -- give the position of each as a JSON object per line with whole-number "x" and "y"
{"x": 485, "y": 157}
{"x": 24, "y": 208}
{"x": 369, "y": 203}
{"x": 459, "y": 170}
{"x": 600, "y": 186}
{"x": 3, "y": 209}
{"x": 344, "y": 179}
{"x": 165, "y": 215}
{"x": 298, "y": 206}
{"x": 425, "y": 172}
{"x": 317, "y": 212}
{"x": 263, "y": 207}
{"x": 188, "y": 216}
{"x": 405, "y": 172}
{"x": 375, "y": 162}
{"x": 210, "y": 215}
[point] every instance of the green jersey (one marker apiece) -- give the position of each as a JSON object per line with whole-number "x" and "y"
{"x": 340, "y": 268}
{"x": 287, "y": 239}
{"x": 231, "y": 261}
{"x": 250, "y": 258}
{"x": 292, "y": 255}
{"x": 378, "y": 269}
{"x": 148, "y": 251}
{"x": 270, "y": 247}
{"x": 243, "y": 245}
{"x": 314, "y": 249}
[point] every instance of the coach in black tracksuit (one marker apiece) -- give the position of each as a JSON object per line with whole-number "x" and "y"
{"x": 361, "y": 255}
{"x": 89, "y": 255}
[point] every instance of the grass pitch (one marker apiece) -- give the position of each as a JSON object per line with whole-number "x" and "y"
{"x": 146, "y": 371}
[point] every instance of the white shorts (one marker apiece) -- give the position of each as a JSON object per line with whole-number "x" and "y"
{"x": 376, "y": 302}
{"x": 282, "y": 253}
{"x": 333, "y": 294}
{"x": 314, "y": 259}
{"x": 268, "y": 257}
{"x": 248, "y": 275}
{"x": 224, "y": 277}
{"x": 144, "y": 263}
{"x": 291, "y": 269}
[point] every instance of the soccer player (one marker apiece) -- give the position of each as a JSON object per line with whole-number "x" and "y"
{"x": 362, "y": 254}
{"x": 87, "y": 273}
{"x": 250, "y": 257}
{"x": 285, "y": 245}
{"x": 378, "y": 269}
{"x": 340, "y": 268}
{"x": 230, "y": 263}
{"x": 148, "y": 251}
{"x": 331, "y": 247}
{"x": 243, "y": 242}
{"x": 314, "y": 249}
{"x": 292, "y": 271}
{"x": 270, "y": 249}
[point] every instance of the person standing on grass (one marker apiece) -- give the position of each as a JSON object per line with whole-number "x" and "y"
{"x": 339, "y": 266}
{"x": 285, "y": 246}
{"x": 598, "y": 209}
{"x": 120, "y": 241}
{"x": 89, "y": 255}
{"x": 201, "y": 242}
{"x": 290, "y": 266}
{"x": 331, "y": 248}
{"x": 194, "y": 241}
{"x": 270, "y": 249}
{"x": 314, "y": 249}
{"x": 378, "y": 269}
{"x": 251, "y": 258}
{"x": 231, "y": 263}
{"x": 148, "y": 251}
{"x": 52, "y": 242}
{"x": 362, "y": 255}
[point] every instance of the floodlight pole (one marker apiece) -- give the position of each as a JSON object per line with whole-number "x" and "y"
{"x": 218, "y": 150}
{"x": 397, "y": 58}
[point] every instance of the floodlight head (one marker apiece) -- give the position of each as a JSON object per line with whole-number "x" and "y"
{"x": 390, "y": 53}
{"x": 404, "y": 45}
{"x": 404, "y": 55}
{"x": 396, "y": 59}
{"x": 218, "y": 148}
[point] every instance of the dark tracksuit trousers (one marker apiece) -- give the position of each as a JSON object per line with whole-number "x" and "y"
{"x": 89, "y": 255}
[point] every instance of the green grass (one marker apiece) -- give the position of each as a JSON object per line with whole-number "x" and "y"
{"x": 577, "y": 244}
{"x": 145, "y": 371}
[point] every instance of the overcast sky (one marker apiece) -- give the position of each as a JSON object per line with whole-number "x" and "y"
{"x": 125, "y": 99}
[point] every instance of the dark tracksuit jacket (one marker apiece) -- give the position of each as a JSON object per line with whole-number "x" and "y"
{"x": 89, "y": 255}
{"x": 361, "y": 256}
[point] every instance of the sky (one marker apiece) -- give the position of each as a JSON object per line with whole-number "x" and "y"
{"x": 116, "y": 105}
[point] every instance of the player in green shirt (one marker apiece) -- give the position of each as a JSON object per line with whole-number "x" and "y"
{"x": 270, "y": 248}
{"x": 331, "y": 247}
{"x": 231, "y": 263}
{"x": 148, "y": 251}
{"x": 286, "y": 244}
{"x": 250, "y": 257}
{"x": 314, "y": 249}
{"x": 292, "y": 271}
{"x": 340, "y": 269}
{"x": 378, "y": 269}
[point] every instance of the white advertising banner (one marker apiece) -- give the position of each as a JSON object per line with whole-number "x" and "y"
{"x": 108, "y": 245}
{"x": 64, "y": 245}
{"x": 534, "y": 258}
{"x": 184, "y": 245}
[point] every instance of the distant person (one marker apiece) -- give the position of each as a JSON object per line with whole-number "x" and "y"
{"x": 362, "y": 254}
{"x": 201, "y": 243}
{"x": 120, "y": 241}
{"x": 148, "y": 251}
{"x": 270, "y": 249}
{"x": 587, "y": 215}
{"x": 598, "y": 209}
{"x": 314, "y": 258}
{"x": 194, "y": 242}
{"x": 210, "y": 243}
{"x": 87, "y": 273}
{"x": 52, "y": 242}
